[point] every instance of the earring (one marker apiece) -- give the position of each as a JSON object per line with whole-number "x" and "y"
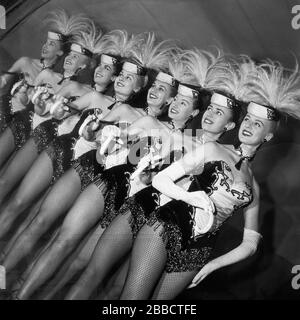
{"x": 225, "y": 129}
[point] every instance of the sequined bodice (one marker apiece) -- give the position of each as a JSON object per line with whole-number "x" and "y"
{"x": 227, "y": 190}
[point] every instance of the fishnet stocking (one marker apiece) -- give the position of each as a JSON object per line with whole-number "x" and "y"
{"x": 147, "y": 263}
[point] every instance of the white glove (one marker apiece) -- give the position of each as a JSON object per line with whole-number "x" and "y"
{"x": 150, "y": 159}
{"x": 248, "y": 246}
{"x": 18, "y": 86}
{"x": 58, "y": 108}
{"x": 203, "y": 221}
{"x": 108, "y": 134}
{"x": 251, "y": 239}
{"x": 96, "y": 117}
{"x": 203, "y": 273}
{"x": 38, "y": 91}
{"x": 88, "y": 119}
{"x": 200, "y": 199}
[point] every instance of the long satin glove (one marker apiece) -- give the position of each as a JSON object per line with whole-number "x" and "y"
{"x": 248, "y": 247}
{"x": 58, "y": 109}
{"x": 164, "y": 182}
{"x": 151, "y": 160}
{"x": 92, "y": 122}
{"x": 109, "y": 134}
{"x": 42, "y": 98}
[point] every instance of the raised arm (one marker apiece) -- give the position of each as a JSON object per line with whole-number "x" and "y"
{"x": 248, "y": 246}
{"x": 192, "y": 162}
{"x": 164, "y": 181}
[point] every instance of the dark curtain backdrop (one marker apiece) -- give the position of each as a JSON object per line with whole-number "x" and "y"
{"x": 261, "y": 29}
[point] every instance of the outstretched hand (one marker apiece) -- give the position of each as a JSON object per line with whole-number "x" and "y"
{"x": 202, "y": 274}
{"x": 201, "y": 200}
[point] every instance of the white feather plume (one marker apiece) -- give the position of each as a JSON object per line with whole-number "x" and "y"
{"x": 177, "y": 67}
{"x": 120, "y": 43}
{"x": 92, "y": 40}
{"x": 233, "y": 76}
{"x": 68, "y": 25}
{"x": 200, "y": 64}
{"x": 154, "y": 54}
{"x": 277, "y": 87}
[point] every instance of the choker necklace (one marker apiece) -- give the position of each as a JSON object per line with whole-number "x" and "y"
{"x": 239, "y": 149}
{"x": 115, "y": 103}
{"x": 171, "y": 122}
{"x": 44, "y": 66}
{"x": 73, "y": 77}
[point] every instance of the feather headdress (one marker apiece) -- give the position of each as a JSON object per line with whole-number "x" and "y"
{"x": 277, "y": 88}
{"x": 153, "y": 54}
{"x": 91, "y": 42}
{"x": 176, "y": 70}
{"x": 233, "y": 76}
{"x": 199, "y": 63}
{"x": 68, "y": 26}
{"x": 120, "y": 43}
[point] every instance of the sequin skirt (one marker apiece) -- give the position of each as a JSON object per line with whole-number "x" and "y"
{"x": 6, "y": 114}
{"x": 4, "y": 121}
{"x": 60, "y": 151}
{"x": 184, "y": 252}
{"x": 87, "y": 168}
{"x": 45, "y": 133}
{"x": 114, "y": 185}
{"x": 21, "y": 127}
{"x": 140, "y": 206}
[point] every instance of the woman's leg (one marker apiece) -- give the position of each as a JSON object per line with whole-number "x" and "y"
{"x": 84, "y": 214}
{"x": 171, "y": 284}
{"x": 58, "y": 201}
{"x": 7, "y": 145}
{"x": 34, "y": 183}
{"x": 114, "y": 244}
{"x": 19, "y": 282}
{"x": 75, "y": 263}
{"x": 7, "y": 162}
{"x": 17, "y": 168}
{"x": 114, "y": 285}
{"x": 147, "y": 262}
{"x": 32, "y": 213}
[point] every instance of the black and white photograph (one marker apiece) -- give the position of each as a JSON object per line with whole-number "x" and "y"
{"x": 150, "y": 150}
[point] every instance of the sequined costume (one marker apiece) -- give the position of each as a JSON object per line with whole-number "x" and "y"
{"x": 5, "y": 112}
{"x": 118, "y": 197}
{"x": 149, "y": 199}
{"x": 185, "y": 251}
{"x": 21, "y": 126}
{"x": 114, "y": 183}
{"x": 60, "y": 150}
{"x": 44, "y": 133}
{"x": 87, "y": 168}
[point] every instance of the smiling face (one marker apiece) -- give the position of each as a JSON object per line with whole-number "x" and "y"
{"x": 181, "y": 108}
{"x": 159, "y": 94}
{"x": 126, "y": 83}
{"x": 74, "y": 61}
{"x": 216, "y": 118}
{"x": 254, "y": 130}
{"x": 104, "y": 74}
{"x": 51, "y": 49}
